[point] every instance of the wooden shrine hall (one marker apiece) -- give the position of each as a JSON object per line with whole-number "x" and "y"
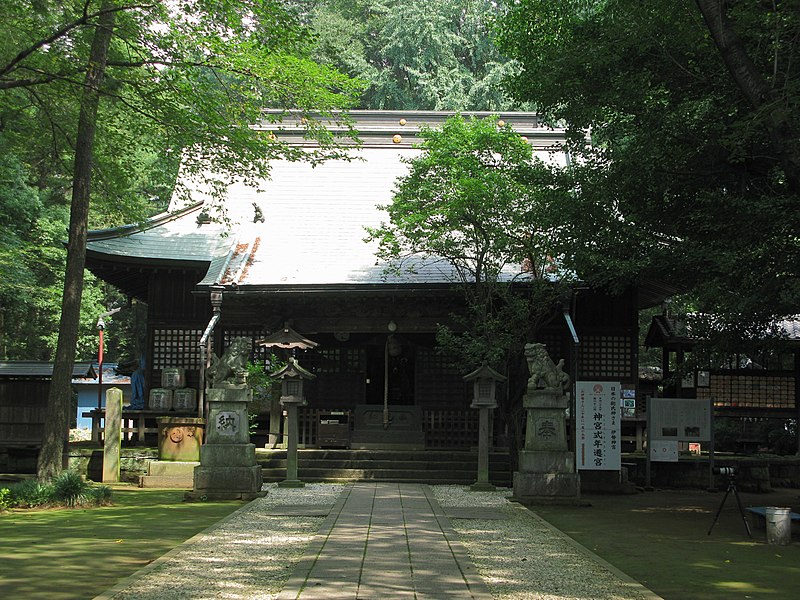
{"x": 292, "y": 254}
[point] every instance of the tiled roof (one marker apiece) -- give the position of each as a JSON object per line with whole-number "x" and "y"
{"x": 314, "y": 218}
{"x": 110, "y": 376}
{"x": 37, "y": 369}
{"x": 172, "y": 236}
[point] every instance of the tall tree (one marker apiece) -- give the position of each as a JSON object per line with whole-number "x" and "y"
{"x": 198, "y": 72}
{"x": 58, "y": 400}
{"x": 479, "y": 201}
{"x": 415, "y": 54}
{"x": 683, "y": 122}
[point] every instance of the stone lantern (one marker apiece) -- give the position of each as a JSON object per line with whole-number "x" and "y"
{"x": 288, "y": 340}
{"x": 292, "y": 376}
{"x": 485, "y": 381}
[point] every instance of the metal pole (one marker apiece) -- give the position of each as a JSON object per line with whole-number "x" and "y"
{"x": 100, "y": 369}
{"x": 711, "y": 449}
{"x": 649, "y": 441}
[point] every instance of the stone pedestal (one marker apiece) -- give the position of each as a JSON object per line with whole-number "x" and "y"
{"x": 228, "y": 468}
{"x": 546, "y": 466}
{"x": 291, "y": 403}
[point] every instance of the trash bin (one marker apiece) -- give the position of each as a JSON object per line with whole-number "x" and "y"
{"x": 779, "y": 525}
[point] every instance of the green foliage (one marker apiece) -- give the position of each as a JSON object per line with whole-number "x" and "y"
{"x": 30, "y": 493}
{"x": 259, "y": 377}
{"x": 478, "y": 199}
{"x": 99, "y": 495}
{"x": 413, "y": 54}
{"x": 679, "y": 172}
{"x": 67, "y": 489}
{"x": 185, "y": 81}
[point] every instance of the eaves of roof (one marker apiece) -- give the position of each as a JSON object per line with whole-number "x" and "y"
{"x": 36, "y": 369}
{"x": 397, "y": 128}
{"x": 166, "y": 239}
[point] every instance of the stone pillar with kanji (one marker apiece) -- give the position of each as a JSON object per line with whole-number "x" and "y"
{"x": 228, "y": 468}
{"x": 546, "y": 465}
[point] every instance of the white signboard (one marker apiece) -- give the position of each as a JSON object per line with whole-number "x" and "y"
{"x": 663, "y": 451}
{"x": 680, "y": 420}
{"x": 598, "y": 425}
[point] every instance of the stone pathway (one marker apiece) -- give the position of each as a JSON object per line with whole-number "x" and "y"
{"x": 385, "y": 541}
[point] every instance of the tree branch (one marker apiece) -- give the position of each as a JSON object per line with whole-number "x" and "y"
{"x": 64, "y": 30}
{"x": 753, "y": 85}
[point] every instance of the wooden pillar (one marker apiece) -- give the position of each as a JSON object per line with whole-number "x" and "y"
{"x": 797, "y": 394}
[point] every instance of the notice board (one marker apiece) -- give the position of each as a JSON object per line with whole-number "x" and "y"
{"x": 680, "y": 419}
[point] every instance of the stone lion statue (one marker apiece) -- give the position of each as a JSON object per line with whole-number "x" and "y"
{"x": 231, "y": 368}
{"x": 545, "y": 374}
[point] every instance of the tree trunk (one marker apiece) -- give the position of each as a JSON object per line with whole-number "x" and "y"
{"x": 55, "y": 437}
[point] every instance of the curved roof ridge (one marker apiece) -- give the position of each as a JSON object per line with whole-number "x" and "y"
{"x": 150, "y": 223}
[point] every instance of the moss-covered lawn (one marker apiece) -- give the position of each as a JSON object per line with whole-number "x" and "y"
{"x": 661, "y": 539}
{"x": 79, "y": 553}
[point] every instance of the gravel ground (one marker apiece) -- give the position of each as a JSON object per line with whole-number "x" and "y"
{"x": 522, "y": 557}
{"x": 250, "y": 555}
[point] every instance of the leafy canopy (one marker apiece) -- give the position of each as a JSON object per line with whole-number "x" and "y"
{"x": 680, "y": 171}
{"x": 184, "y": 81}
{"x": 477, "y": 199}
{"x": 415, "y": 55}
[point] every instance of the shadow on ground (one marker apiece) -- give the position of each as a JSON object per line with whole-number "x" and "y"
{"x": 661, "y": 539}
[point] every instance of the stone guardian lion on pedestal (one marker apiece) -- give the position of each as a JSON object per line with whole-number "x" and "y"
{"x": 545, "y": 374}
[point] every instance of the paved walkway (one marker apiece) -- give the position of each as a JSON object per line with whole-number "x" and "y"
{"x": 384, "y": 540}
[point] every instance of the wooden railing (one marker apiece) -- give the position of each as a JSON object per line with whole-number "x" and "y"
{"x": 450, "y": 428}
{"x": 454, "y": 429}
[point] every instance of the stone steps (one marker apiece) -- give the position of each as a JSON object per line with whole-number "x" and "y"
{"x": 168, "y": 474}
{"x": 451, "y": 467}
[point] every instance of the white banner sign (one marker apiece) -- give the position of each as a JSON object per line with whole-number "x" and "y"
{"x": 597, "y": 425}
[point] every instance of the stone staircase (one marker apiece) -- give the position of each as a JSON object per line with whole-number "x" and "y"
{"x": 168, "y": 474}
{"x": 409, "y": 466}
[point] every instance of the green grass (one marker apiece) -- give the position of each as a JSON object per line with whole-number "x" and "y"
{"x": 79, "y": 553}
{"x": 661, "y": 540}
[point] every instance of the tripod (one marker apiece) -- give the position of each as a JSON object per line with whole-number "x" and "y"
{"x": 731, "y": 488}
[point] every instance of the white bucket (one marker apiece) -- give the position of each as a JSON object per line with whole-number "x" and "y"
{"x": 779, "y": 525}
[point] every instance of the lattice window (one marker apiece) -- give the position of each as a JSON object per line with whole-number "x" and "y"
{"x": 605, "y": 356}
{"x": 337, "y": 360}
{"x": 176, "y": 348}
{"x": 438, "y": 380}
{"x": 433, "y": 362}
{"x": 750, "y": 391}
{"x": 328, "y": 360}
{"x": 552, "y": 342}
